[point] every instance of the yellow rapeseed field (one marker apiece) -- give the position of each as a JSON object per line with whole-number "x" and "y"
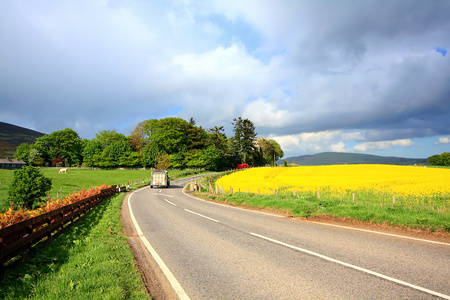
{"x": 407, "y": 182}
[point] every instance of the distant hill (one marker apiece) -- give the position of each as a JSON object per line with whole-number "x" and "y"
{"x": 12, "y": 136}
{"x": 339, "y": 158}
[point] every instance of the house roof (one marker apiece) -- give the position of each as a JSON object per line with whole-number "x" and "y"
{"x": 11, "y": 161}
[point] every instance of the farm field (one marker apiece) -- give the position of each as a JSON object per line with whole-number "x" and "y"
{"x": 76, "y": 179}
{"x": 399, "y": 195}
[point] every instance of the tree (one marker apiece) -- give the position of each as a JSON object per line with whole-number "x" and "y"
{"x": 116, "y": 154}
{"x": 445, "y": 159}
{"x": 107, "y": 137}
{"x": 435, "y": 160}
{"x": 64, "y": 143}
{"x": 23, "y": 152}
{"x": 196, "y": 137}
{"x": 271, "y": 150}
{"x": 440, "y": 160}
{"x": 35, "y": 158}
{"x": 244, "y": 138}
{"x": 213, "y": 159}
{"x": 138, "y": 138}
{"x": 168, "y": 133}
{"x": 92, "y": 153}
{"x": 163, "y": 162}
{"x": 28, "y": 188}
{"x": 193, "y": 159}
{"x": 150, "y": 155}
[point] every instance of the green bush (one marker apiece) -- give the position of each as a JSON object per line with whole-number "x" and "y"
{"x": 28, "y": 188}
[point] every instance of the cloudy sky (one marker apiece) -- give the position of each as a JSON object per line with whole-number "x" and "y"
{"x": 357, "y": 76}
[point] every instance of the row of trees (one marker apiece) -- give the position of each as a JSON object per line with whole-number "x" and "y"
{"x": 440, "y": 160}
{"x": 169, "y": 142}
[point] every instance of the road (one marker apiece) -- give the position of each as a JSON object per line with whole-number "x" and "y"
{"x": 213, "y": 251}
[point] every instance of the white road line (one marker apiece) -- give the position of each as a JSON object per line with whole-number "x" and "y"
{"x": 382, "y": 233}
{"x": 159, "y": 194}
{"x": 173, "y": 281}
{"x": 425, "y": 290}
{"x": 346, "y": 227}
{"x": 170, "y": 202}
{"x": 234, "y": 207}
{"x": 192, "y": 212}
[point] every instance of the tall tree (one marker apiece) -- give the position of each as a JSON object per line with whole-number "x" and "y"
{"x": 195, "y": 136}
{"x": 244, "y": 139}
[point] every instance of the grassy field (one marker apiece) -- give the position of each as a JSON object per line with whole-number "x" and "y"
{"x": 401, "y": 196}
{"x": 92, "y": 260}
{"x": 76, "y": 179}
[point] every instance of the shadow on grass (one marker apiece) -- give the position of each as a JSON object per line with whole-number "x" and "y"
{"x": 19, "y": 282}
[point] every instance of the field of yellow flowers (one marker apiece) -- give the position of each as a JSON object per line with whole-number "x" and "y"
{"x": 405, "y": 184}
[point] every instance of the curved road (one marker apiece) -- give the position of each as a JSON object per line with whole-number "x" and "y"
{"x": 212, "y": 251}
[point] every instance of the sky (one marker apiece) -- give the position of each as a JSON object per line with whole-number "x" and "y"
{"x": 369, "y": 77}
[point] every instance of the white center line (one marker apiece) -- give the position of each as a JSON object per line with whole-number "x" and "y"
{"x": 381, "y": 233}
{"x": 190, "y": 211}
{"x": 353, "y": 267}
{"x": 159, "y": 194}
{"x": 173, "y": 281}
{"x": 170, "y": 202}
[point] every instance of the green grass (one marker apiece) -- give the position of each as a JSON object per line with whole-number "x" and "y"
{"x": 429, "y": 215}
{"x": 92, "y": 260}
{"x": 78, "y": 178}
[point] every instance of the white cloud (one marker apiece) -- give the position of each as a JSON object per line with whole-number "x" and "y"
{"x": 444, "y": 140}
{"x": 382, "y": 145}
{"x": 311, "y": 142}
{"x": 265, "y": 114}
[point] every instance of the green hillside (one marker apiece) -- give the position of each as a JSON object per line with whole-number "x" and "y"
{"x": 12, "y": 136}
{"x": 339, "y": 158}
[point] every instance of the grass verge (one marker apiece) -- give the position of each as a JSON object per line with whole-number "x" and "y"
{"x": 308, "y": 204}
{"x": 92, "y": 260}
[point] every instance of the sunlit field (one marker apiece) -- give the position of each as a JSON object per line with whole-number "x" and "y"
{"x": 407, "y": 185}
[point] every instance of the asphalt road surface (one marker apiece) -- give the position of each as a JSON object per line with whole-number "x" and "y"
{"x": 213, "y": 251}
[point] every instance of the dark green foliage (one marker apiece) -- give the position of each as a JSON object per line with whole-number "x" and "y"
{"x": 64, "y": 143}
{"x": 440, "y": 160}
{"x": 271, "y": 150}
{"x": 150, "y": 155}
{"x": 28, "y": 188}
{"x": 23, "y": 152}
{"x": 244, "y": 140}
{"x": 92, "y": 153}
{"x": 187, "y": 146}
{"x": 169, "y": 134}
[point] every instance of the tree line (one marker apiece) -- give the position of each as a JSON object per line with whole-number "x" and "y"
{"x": 440, "y": 160}
{"x": 156, "y": 143}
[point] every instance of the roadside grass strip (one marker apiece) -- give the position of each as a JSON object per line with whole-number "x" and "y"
{"x": 92, "y": 260}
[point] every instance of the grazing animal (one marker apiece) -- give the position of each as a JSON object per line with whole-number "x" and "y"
{"x": 63, "y": 170}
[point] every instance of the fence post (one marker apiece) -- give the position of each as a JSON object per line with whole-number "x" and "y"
{"x": 318, "y": 194}
{"x": 231, "y": 190}
{"x": 354, "y": 198}
{"x": 393, "y": 199}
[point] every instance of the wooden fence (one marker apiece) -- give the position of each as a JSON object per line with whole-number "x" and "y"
{"x": 17, "y": 239}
